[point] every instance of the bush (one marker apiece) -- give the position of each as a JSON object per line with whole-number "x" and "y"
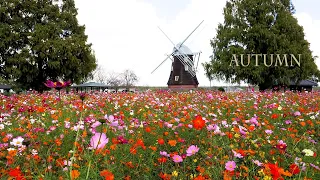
{"x": 221, "y": 89}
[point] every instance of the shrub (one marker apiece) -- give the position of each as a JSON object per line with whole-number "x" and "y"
{"x": 221, "y": 89}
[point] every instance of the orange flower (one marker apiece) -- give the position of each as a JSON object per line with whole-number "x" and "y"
{"x": 200, "y": 169}
{"x": 172, "y": 142}
{"x": 164, "y": 176}
{"x": 107, "y": 175}
{"x": 74, "y": 174}
{"x": 198, "y": 123}
{"x": 199, "y": 178}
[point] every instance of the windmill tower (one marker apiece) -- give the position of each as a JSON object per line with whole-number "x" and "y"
{"x": 183, "y": 69}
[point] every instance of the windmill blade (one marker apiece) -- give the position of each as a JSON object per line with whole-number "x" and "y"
{"x": 167, "y": 36}
{"x": 191, "y": 34}
{"x": 198, "y": 59}
{"x": 187, "y": 64}
{"x": 175, "y": 48}
{"x": 161, "y": 63}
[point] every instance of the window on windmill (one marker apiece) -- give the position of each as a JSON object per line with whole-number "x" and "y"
{"x": 176, "y": 78}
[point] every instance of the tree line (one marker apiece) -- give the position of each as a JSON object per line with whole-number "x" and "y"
{"x": 41, "y": 40}
{"x": 127, "y": 78}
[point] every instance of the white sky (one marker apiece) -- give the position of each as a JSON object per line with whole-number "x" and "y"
{"x": 125, "y": 35}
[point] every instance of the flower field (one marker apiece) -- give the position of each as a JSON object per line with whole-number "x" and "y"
{"x": 160, "y": 135}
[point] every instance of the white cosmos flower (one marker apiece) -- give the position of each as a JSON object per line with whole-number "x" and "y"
{"x": 17, "y": 141}
{"x": 308, "y": 152}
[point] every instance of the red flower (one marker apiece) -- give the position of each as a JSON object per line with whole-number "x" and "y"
{"x": 274, "y": 170}
{"x": 162, "y": 159}
{"x": 198, "y": 123}
{"x": 160, "y": 141}
{"x": 294, "y": 169}
{"x": 16, "y": 173}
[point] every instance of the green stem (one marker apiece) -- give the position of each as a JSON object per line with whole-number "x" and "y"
{"x": 74, "y": 148}
{"x": 88, "y": 170}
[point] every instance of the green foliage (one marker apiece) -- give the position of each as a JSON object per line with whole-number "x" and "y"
{"x": 42, "y": 40}
{"x": 208, "y": 72}
{"x": 221, "y": 89}
{"x": 260, "y": 27}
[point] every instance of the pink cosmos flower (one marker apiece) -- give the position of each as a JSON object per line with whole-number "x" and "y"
{"x": 230, "y": 165}
{"x": 164, "y": 153}
{"x": 235, "y": 154}
{"x": 177, "y": 159}
{"x": 98, "y": 141}
{"x": 268, "y": 131}
{"x": 210, "y": 127}
{"x": 297, "y": 113}
{"x": 192, "y": 150}
{"x": 288, "y": 122}
{"x": 257, "y": 162}
{"x": 96, "y": 124}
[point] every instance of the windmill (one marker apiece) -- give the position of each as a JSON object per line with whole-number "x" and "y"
{"x": 183, "y": 70}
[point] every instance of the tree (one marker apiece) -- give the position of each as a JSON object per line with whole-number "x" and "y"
{"x": 260, "y": 27}
{"x": 208, "y": 72}
{"x": 99, "y": 75}
{"x": 129, "y": 78}
{"x": 42, "y": 40}
{"x": 114, "y": 80}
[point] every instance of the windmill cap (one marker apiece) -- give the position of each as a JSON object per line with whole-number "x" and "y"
{"x": 182, "y": 50}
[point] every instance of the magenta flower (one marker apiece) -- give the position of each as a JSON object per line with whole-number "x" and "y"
{"x": 57, "y": 85}
{"x": 50, "y": 84}
{"x": 177, "y": 159}
{"x": 192, "y": 150}
{"x": 230, "y": 165}
{"x": 98, "y": 141}
{"x": 122, "y": 140}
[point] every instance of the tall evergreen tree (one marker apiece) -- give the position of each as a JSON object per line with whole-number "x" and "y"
{"x": 260, "y": 27}
{"x": 40, "y": 40}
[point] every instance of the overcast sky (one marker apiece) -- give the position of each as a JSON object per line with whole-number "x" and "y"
{"x": 125, "y": 33}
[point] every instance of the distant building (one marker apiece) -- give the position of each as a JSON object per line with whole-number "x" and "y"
{"x": 304, "y": 85}
{"x": 4, "y": 87}
{"x": 91, "y": 86}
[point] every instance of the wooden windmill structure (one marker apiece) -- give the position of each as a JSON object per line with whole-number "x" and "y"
{"x": 183, "y": 70}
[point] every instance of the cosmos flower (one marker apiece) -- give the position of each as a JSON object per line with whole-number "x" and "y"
{"x": 57, "y": 85}
{"x": 308, "y": 152}
{"x": 177, "y": 158}
{"x": 164, "y": 153}
{"x": 192, "y": 150}
{"x": 198, "y": 123}
{"x": 297, "y": 113}
{"x": 17, "y": 141}
{"x": 230, "y": 165}
{"x": 98, "y": 141}
{"x": 268, "y": 131}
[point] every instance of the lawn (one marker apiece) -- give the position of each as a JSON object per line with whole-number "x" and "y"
{"x": 160, "y": 135}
